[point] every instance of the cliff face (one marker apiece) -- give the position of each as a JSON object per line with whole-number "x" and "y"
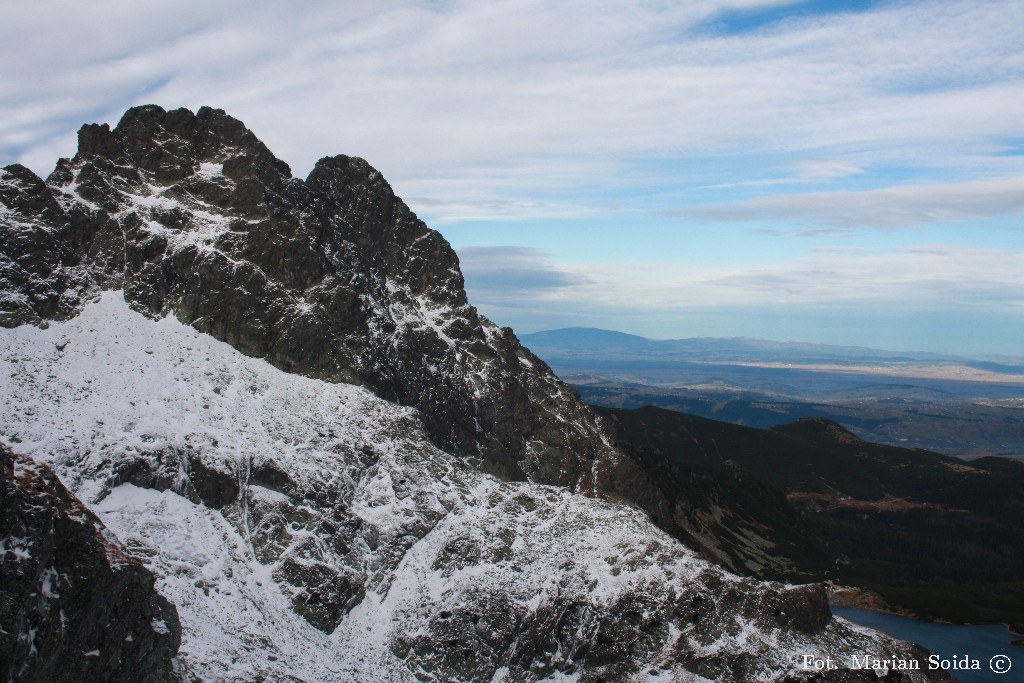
{"x": 40, "y": 273}
{"x": 276, "y": 395}
{"x": 74, "y": 606}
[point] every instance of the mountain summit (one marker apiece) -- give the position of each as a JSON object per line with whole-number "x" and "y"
{"x": 332, "y": 277}
{"x": 274, "y": 395}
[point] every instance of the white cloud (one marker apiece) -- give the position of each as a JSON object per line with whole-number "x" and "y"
{"x": 513, "y": 276}
{"x": 812, "y": 169}
{"x": 938, "y": 276}
{"x": 890, "y": 207}
{"x": 805, "y": 171}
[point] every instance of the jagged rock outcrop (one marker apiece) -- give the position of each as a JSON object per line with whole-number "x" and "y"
{"x": 40, "y": 275}
{"x": 74, "y": 606}
{"x": 303, "y": 522}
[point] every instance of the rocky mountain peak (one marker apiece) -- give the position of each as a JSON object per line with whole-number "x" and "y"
{"x": 171, "y": 145}
{"x": 332, "y": 277}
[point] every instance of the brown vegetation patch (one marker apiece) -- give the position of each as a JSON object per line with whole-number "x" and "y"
{"x": 820, "y": 502}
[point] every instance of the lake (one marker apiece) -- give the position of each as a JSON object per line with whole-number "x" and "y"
{"x": 949, "y": 640}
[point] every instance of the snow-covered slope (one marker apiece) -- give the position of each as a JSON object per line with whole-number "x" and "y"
{"x": 310, "y": 529}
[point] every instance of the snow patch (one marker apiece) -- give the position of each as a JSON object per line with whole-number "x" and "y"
{"x": 210, "y": 171}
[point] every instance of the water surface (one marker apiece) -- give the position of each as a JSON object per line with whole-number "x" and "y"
{"x": 949, "y": 640}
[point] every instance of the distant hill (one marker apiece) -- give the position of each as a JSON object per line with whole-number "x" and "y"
{"x": 587, "y": 341}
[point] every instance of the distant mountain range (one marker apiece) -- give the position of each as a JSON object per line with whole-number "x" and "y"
{"x": 967, "y": 407}
{"x": 579, "y": 342}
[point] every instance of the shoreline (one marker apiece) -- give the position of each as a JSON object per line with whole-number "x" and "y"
{"x": 862, "y": 598}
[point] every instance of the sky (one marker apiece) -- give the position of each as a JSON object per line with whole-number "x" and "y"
{"x": 846, "y": 172}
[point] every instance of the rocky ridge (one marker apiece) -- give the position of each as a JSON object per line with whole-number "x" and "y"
{"x": 302, "y": 521}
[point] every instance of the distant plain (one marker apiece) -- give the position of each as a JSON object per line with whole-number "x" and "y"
{"x": 961, "y": 406}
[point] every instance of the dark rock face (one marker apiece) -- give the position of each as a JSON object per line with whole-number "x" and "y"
{"x": 39, "y": 276}
{"x": 333, "y": 277}
{"x": 73, "y": 605}
{"x": 604, "y": 642}
{"x": 181, "y": 470}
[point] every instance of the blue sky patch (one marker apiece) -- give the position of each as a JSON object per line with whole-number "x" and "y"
{"x": 739, "y": 21}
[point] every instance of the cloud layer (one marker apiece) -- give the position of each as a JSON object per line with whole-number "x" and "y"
{"x": 930, "y": 275}
{"x": 505, "y": 101}
{"x": 514, "y": 276}
{"x": 849, "y": 288}
{"x": 936, "y": 276}
{"x": 889, "y": 207}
